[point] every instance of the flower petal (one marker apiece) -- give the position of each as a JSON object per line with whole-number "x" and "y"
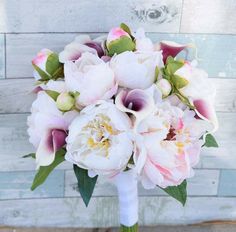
{"x": 170, "y": 48}
{"x": 50, "y": 143}
{"x": 205, "y": 110}
{"x": 136, "y": 102}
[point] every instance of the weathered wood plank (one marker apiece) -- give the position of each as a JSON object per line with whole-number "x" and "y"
{"x": 218, "y": 59}
{"x": 79, "y": 16}
{"x": 2, "y": 56}
{"x": 227, "y": 186}
{"x": 14, "y": 143}
{"x": 16, "y": 185}
{"x": 212, "y": 16}
{"x": 16, "y": 95}
{"x": 103, "y": 211}
{"x": 196, "y": 185}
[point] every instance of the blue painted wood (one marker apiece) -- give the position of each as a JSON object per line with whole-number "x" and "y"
{"x": 2, "y": 57}
{"x": 16, "y": 185}
{"x": 215, "y": 53}
{"x": 227, "y": 185}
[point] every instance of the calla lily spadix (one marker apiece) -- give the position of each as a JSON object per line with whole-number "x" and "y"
{"x": 136, "y": 102}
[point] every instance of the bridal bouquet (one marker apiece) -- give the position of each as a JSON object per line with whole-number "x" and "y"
{"x": 123, "y": 108}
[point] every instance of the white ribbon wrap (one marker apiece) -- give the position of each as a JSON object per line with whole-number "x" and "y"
{"x": 127, "y": 186}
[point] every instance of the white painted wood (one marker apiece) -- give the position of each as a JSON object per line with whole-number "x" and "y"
{"x": 22, "y": 48}
{"x": 16, "y": 96}
{"x": 196, "y": 185}
{"x": 211, "y": 16}
{"x": 14, "y": 143}
{"x": 92, "y": 16}
{"x": 103, "y": 211}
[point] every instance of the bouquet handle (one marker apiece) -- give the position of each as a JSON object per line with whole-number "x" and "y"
{"x": 127, "y": 187}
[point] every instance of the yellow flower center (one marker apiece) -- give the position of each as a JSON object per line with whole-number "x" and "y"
{"x": 100, "y": 131}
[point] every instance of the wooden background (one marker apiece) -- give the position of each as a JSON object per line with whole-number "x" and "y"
{"x": 26, "y": 26}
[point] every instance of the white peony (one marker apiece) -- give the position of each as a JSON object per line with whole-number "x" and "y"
{"x": 91, "y": 77}
{"x": 99, "y": 139}
{"x": 136, "y": 70}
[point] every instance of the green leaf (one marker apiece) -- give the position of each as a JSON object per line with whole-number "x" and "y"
{"x": 52, "y": 94}
{"x": 86, "y": 184}
{"x": 125, "y": 28}
{"x": 178, "y": 192}
{"x": 179, "y": 82}
{"x": 44, "y": 171}
{"x": 120, "y": 45}
{"x": 173, "y": 66}
{"x": 52, "y": 63}
{"x": 30, "y": 155}
{"x": 210, "y": 141}
{"x": 59, "y": 73}
{"x": 183, "y": 99}
{"x": 157, "y": 71}
{"x": 42, "y": 74}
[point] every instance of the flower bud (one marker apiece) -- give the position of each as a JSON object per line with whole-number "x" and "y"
{"x": 47, "y": 66}
{"x": 65, "y": 101}
{"x": 119, "y": 41}
{"x": 164, "y": 86}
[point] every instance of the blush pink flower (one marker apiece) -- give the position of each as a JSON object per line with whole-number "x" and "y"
{"x": 171, "y": 139}
{"x": 91, "y": 77}
{"x": 81, "y": 44}
{"x": 47, "y": 128}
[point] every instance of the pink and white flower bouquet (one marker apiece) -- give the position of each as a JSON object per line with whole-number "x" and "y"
{"x": 122, "y": 108}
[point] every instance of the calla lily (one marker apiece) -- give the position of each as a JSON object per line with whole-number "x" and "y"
{"x": 50, "y": 143}
{"x": 200, "y": 91}
{"x": 47, "y": 128}
{"x": 137, "y": 102}
{"x": 170, "y": 48}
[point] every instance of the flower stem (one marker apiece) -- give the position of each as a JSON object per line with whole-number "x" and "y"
{"x": 133, "y": 228}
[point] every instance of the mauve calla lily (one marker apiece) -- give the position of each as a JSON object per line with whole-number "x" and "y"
{"x": 47, "y": 128}
{"x": 136, "y": 102}
{"x": 170, "y": 48}
{"x": 200, "y": 91}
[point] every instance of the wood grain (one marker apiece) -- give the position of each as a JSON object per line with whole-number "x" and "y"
{"x": 103, "y": 211}
{"x": 196, "y": 185}
{"x": 211, "y": 16}
{"x": 42, "y": 15}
